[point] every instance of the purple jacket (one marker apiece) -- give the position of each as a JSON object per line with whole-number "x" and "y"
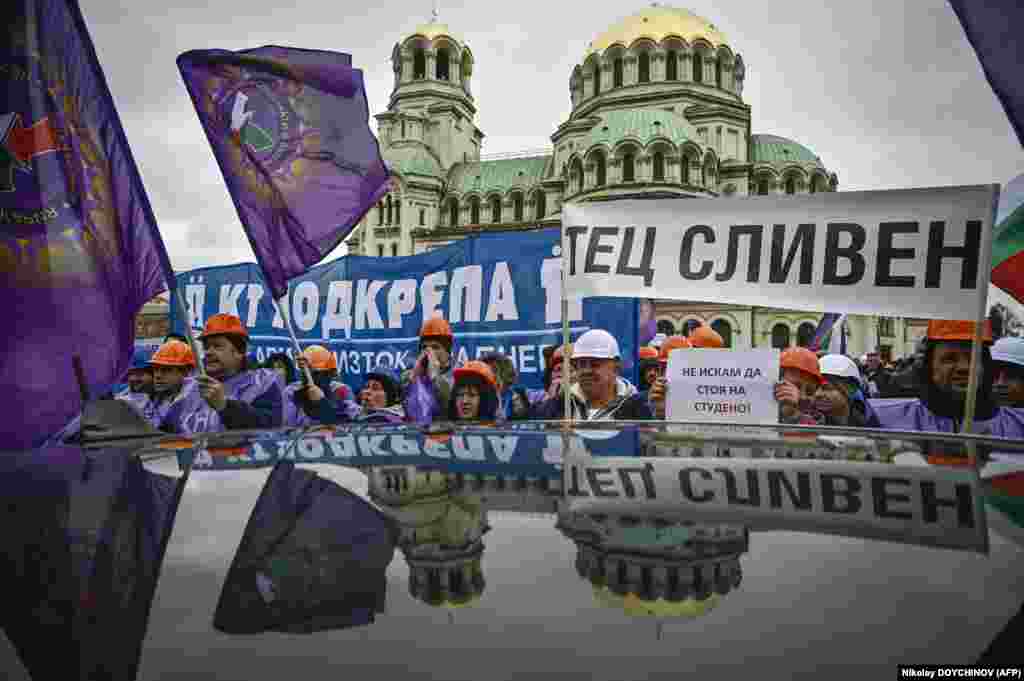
{"x": 254, "y": 401}
{"x": 295, "y": 417}
{"x": 912, "y": 414}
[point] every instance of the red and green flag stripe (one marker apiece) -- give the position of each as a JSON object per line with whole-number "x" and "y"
{"x": 1008, "y": 254}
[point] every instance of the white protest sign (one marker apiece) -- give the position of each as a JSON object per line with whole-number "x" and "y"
{"x": 727, "y": 386}
{"x": 906, "y": 252}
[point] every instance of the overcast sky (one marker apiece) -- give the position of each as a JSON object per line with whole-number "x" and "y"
{"x": 888, "y": 94}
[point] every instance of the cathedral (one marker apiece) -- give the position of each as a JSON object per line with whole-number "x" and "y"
{"x": 657, "y": 112}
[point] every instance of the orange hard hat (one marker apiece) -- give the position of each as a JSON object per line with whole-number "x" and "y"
{"x": 224, "y": 325}
{"x": 706, "y": 337}
{"x": 647, "y": 352}
{"x": 957, "y": 330}
{"x": 320, "y": 358}
{"x": 173, "y": 353}
{"x": 803, "y": 360}
{"x": 670, "y": 344}
{"x": 436, "y": 328}
{"x": 479, "y": 369}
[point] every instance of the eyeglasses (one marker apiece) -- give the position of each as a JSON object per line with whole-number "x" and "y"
{"x": 588, "y": 363}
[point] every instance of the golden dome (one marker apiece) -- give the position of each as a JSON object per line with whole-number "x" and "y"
{"x": 657, "y": 23}
{"x": 434, "y": 29}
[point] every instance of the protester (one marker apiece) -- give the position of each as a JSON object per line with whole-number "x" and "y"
{"x": 1008, "y": 358}
{"x": 172, "y": 366}
{"x": 659, "y": 389}
{"x": 648, "y": 357}
{"x": 475, "y": 393}
{"x": 232, "y": 395}
{"x": 429, "y": 382}
{"x": 840, "y": 398}
{"x": 306, "y": 404}
{"x": 505, "y": 373}
{"x": 943, "y": 368}
{"x": 177, "y": 337}
{"x": 381, "y": 398}
{"x": 139, "y": 378}
{"x": 877, "y": 378}
{"x": 795, "y": 393}
{"x": 598, "y": 393}
{"x": 705, "y": 337}
{"x": 282, "y": 364}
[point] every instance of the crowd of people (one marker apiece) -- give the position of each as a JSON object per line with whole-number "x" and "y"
{"x": 236, "y": 392}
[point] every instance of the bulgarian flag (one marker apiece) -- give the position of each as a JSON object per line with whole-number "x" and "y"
{"x": 1008, "y": 244}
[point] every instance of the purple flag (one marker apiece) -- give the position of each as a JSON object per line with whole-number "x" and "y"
{"x": 993, "y": 29}
{"x": 828, "y": 320}
{"x": 80, "y": 252}
{"x": 290, "y": 131}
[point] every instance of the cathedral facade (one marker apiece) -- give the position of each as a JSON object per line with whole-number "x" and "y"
{"x": 657, "y": 112}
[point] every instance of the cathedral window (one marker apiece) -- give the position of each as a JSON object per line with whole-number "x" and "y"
{"x": 672, "y": 65}
{"x": 423, "y": 217}
{"x": 763, "y": 187}
{"x": 698, "y": 68}
{"x": 542, "y": 208}
{"x": 718, "y": 72}
{"x": 628, "y": 167}
{"x": 577, "y": 172}
{"x": 495, "y": 209}
{"x": 398, "y": 211}
{"x": 453, "y": 213}
{"x": 597, "y": 80}
{"x": 380, "y": 250}
{"x": 380, "y": 213}
{"x": 474, "y": 211}
{"x": 517, "y": 208}
{"x": 790, "y": 185}
{"x": 644, "y": 67}
{"x": 419, "y": 65}
{"x": 617, "y": 72}
{"x": 684, "y": 169}
{"x": 403, "y": 128}
{"x": 600, "y": 171}
{"x": 390, "y": 210}
{"x": 442, "y": 64}
{"x": 394, "y": 250}
{"x": 659, "y": 166}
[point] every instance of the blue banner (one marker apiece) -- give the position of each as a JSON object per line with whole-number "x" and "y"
{"x": 499, "y": 292}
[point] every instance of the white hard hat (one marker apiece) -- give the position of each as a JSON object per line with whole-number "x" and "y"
{"x": 596, "y": 344}
{"x": 1010, "y": 350}
{"x": 658, "y": 339}
{"x": 839, "y": 365}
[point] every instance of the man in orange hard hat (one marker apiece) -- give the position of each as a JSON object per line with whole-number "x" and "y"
{"x": 172, "y": 367}
{"x": 233, "y": 395}
{"x": 659, "y": 388}
{"x": 705, "y": 337}
{"x": 943, "y": 370}
{"x": 429, "y": 382}
{"x": 326, "y": 400}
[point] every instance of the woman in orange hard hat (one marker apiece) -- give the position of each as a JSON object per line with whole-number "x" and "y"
{"x": 943, "y": 370}
{"x": 475, "y": 393}
{"x": 232, "y": 395}
{"x": 659, "y": 389}
{"x": 429, "y": 382}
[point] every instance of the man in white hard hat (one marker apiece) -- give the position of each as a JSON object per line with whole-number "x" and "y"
{"x": 840, "y": 399}
{"x": 1008, "y": 361}
{"x": 598, "y": 392}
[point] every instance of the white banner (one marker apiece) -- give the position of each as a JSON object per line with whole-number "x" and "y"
{"x": 906, "y": 252}
{"x": 933, "y": 506}
{"x": 730, "y": 387}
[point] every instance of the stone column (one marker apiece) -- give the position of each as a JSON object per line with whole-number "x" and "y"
{"x": 606, "y": 77}
{"x": 685, "y": 67}
{"x": 630, "y": 70}
{"x": 613, "y": 170}
{"x": 431, "y": 58}
{"x": 406, "y": 68}
{"x": 658, "y": 62}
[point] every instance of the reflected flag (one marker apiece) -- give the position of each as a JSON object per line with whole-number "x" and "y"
{"x": 313, "y": 558}
{"x": 1008, "y": 242}
{"x": 80, "y": 252}
{"x": 290, "y": 131}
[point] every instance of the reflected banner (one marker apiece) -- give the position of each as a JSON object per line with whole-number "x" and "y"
{"x": 499, "y": 292}
{"x": 906, "y": 252}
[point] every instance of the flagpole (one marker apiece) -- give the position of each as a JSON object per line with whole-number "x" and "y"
{"x": 566, "y": 359}
{"x": 295, "y": 341}
{"x": 186, "y": 323}
{"x": 984, "y": 275}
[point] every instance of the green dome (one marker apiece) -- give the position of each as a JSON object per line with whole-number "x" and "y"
{"x": 775, "y": 149}
{"x": 498, "y": 175}
{"x": 642, "y": 125}
{"x": 412, "y": 160}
